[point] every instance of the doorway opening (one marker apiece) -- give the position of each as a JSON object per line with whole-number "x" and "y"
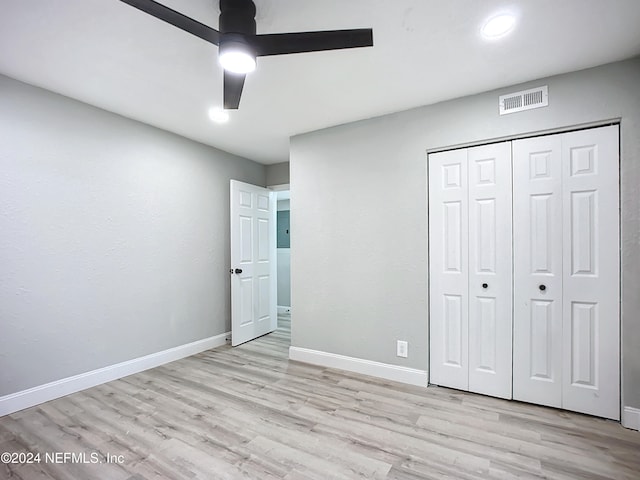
{"x": 283, "y": 254}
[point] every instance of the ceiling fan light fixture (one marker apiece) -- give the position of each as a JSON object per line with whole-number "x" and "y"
{"x": 239, "y": 44}
{"x": 237, "y": 57}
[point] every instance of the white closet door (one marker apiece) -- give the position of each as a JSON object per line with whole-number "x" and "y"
{"x": 537, "y": 251}
{"x": 591, "y": 308}
{"x": 490, "y": 268}
{"x": 448, "y": 270}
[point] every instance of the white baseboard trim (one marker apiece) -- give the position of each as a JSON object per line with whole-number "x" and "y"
{"x": 396, "y": 373}
{"x": 284, "y": 309}
{"x": 631, "y": 418}
{"x": 43, "y": 393}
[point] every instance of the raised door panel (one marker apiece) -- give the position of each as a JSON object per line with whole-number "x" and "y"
{"x": 263, "y": 240}
{"x": 490, "y": 270}
{"x": 452, "y": 343}
{"x": 448, "y": 247}
{"x": 537, "y": 253}
{"x": 246, "y": 239}
{"x": 246, "y": 313}
{"x": 591, "y": 308}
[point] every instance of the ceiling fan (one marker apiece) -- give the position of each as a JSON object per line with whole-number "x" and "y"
{"x": 240, "y": 45}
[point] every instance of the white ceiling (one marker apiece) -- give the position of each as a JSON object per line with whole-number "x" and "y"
{"x": 108, "y": 54}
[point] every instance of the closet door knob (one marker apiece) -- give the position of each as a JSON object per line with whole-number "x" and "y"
{"x": 238, "y": 270}
{"x": 485, "y": 285}
{"x": 542, "y": 287}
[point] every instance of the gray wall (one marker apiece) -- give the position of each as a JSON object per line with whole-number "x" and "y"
{"x": 114, "y": 237}
{"x": 284, "y": 277}
{"x": 284, "y": 266}
{"x": 359, "y": 271}
{"x": 278, "y": 174}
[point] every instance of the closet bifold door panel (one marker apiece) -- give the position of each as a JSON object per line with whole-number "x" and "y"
{"x": 470, "y": 269}
{"x": 591, "y": 256}
{"x": 537, "y": 270}
{"x": 490, "y": 265}
{"x": 448, "y": 269}
{"x": 566, "y": 271}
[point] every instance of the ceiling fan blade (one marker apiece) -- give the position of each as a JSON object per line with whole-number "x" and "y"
{"x": 233, "y": 83}
{"x": 282, "y": 43}
{"x": 176, "y": 19}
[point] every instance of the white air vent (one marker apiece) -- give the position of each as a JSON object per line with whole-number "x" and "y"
{"x": 524, "y": 100}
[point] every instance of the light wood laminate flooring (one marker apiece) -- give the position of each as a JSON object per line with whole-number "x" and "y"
{"x": 249, "y": 412}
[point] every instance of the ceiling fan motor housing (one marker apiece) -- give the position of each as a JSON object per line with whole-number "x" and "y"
{"x": 237, "y": 16}
{"x": 237, "y": 26}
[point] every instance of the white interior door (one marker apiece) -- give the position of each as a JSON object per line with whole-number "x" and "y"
{"x": 537, "y": 250}
{"x": 490, "y": 270}
{"x": 591, "y": 299}
{"x": 448, "y": 269}
{"x": 253, "y": 262}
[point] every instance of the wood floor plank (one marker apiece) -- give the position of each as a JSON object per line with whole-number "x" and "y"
{"x": 249, "y": 412}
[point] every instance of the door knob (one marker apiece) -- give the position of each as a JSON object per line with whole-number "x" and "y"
{"x": 238, "y": 270}
{"x": 542, "y": 288}
{"x": 485, "y": 285}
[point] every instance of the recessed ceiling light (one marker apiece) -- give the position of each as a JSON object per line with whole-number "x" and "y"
{"x": 218, "y": 115}
{"x": 498, "y": 26}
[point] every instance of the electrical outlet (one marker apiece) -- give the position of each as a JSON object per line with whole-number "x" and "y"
{"x": 402, "y": 349}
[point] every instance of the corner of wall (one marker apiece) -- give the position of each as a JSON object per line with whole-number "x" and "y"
{"x": 631, "y": 418}
{"x": 277, "y": 174}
